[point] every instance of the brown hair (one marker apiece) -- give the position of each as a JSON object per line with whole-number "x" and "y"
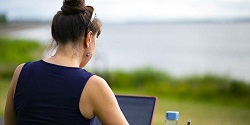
{"x": 71, "y": 23}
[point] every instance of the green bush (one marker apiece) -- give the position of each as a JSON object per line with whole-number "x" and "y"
{"x": 3, "y": 18}
{"x": 17, "y": 51}
{"x": 205, "y": 88}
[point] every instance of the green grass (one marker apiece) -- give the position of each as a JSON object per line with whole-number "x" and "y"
{"x": 4, "y": 85}
{"x": 208, "y": 88}
{"x": 199, "y": 112}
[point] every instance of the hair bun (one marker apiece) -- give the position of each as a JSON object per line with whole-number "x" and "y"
{"x": 72, "y": 6}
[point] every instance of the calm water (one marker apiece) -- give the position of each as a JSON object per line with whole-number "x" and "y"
{"x": 179, "y": 49}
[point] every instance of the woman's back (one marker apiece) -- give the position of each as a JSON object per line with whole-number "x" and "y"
{"x": 50, "y": 94}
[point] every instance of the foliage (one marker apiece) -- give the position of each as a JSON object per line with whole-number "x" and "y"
{"x": 4, "y": 85}
{"x": 3, "y": 18}
{"x": 16, "y": 51}
{"x": 204, "y": 88}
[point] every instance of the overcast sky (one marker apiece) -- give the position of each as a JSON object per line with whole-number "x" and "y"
{"x": 132, "y": 10}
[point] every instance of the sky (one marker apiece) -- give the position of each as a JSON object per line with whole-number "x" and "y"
{"x": 132, "y": 10}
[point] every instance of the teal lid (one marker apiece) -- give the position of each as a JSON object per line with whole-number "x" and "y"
{"x": 172, "y": 115}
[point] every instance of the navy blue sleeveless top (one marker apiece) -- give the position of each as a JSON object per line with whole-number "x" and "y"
{"x": 49, "y": 94}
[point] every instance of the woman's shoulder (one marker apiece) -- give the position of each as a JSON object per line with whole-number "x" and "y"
{"x": 18, "y": 70}
{"x": 95, "y": 90}
{"x": 99, "y": 90}
{"x": 101, "y": 101}
{"x": 97, "y": 82}
{"x": 98, "y": 79}
{"x": 15, "y": 77}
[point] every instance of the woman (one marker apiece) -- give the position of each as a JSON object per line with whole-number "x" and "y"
{"x": 57, "y": 90}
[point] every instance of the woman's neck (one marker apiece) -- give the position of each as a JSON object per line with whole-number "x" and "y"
{"x": 66, "y": 56}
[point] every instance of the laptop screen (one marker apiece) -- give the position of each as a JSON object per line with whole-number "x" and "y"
{"x": 138, "y": 110}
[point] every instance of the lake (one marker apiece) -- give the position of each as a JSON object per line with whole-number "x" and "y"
{"x": 179, "y": 49}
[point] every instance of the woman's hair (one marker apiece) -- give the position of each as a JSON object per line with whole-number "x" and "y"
{"x": 73, "y": 22}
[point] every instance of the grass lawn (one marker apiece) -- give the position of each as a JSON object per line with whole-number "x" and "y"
{"x": 4, "y": 85}
{"x": 199, "y": 113}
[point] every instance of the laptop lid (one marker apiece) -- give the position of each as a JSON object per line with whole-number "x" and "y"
{"x": 138, "y": 110}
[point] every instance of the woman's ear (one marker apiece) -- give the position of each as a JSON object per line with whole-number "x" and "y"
{"x": 88, "y": 39}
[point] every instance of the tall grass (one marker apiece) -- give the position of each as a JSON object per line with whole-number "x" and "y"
{"x": 200, "y": 113}
{"x": 4, "y": 85}
{"x": 201, "y": 88}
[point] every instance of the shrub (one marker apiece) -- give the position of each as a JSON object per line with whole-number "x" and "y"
{"x": 206, "y": 88}
{"x": 16, "y": 51}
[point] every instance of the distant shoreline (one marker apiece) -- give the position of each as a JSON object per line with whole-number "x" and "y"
{"x": 5, "y": 29}
{"x": 171, "y": 21}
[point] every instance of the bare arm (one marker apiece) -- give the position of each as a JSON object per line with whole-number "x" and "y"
{"x": 9, "y": 113}
{"x": 98, "y": 99}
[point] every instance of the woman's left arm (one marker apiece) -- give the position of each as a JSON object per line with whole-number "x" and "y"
{"x": 9, "y": 113}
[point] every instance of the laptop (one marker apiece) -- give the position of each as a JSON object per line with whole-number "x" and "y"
{"x": 138, "y": 110}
